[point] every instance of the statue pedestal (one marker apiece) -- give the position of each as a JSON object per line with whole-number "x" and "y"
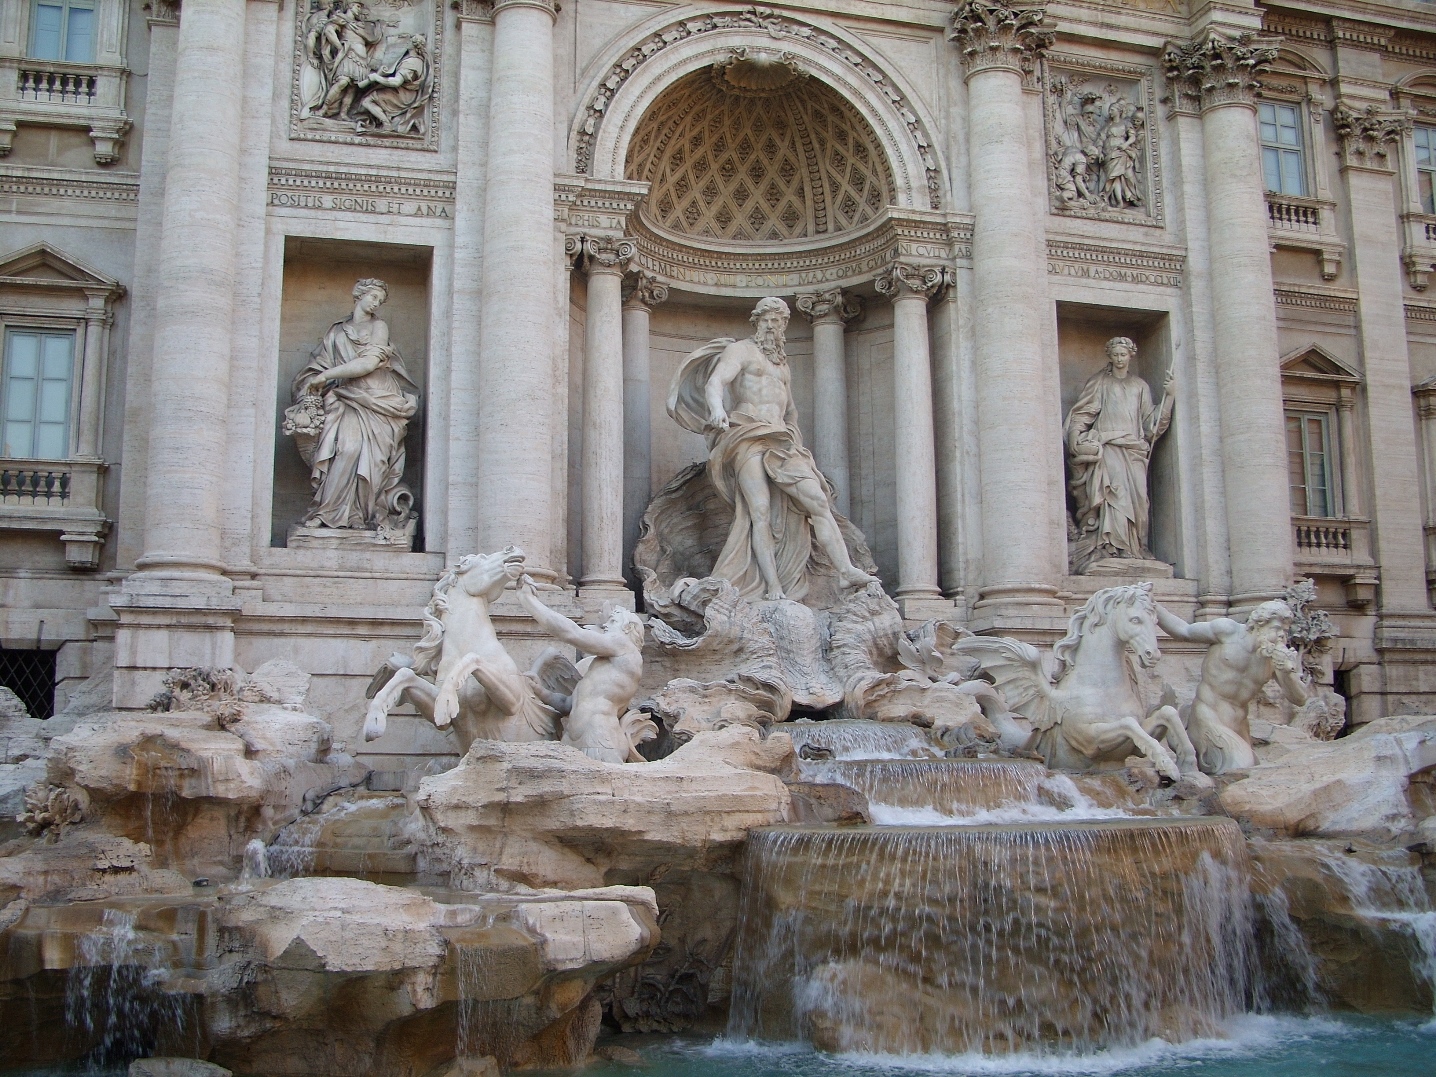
{"x": 336, "y": 538}
{"x": 1127, "y": 567}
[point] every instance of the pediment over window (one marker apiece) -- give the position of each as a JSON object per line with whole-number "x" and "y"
{"x": 42, "y": 265}
{"x": 1315, "y": 362}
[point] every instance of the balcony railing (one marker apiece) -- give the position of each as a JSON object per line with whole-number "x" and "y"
{"x": 56, "y": 84}
{"x": 1332, "y": 543}
{"x": 1293, "y": 215}
{"x": 21, "y": 485}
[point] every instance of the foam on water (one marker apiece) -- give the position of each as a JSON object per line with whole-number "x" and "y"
{"x": 1077, "y": 807}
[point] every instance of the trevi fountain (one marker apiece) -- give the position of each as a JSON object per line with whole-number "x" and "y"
{"x": 697, "y": 539}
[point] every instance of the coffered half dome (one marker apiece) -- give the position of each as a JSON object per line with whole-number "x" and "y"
{"x": 754, "y": 149}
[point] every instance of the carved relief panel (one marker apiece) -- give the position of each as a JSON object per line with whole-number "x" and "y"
{"x": 1102, "y": 156}
{"x": 367, "y": 73}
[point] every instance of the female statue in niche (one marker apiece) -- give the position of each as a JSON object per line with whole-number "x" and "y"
{"x": 1110, "y": 433}
{"x": 350, "y": 416}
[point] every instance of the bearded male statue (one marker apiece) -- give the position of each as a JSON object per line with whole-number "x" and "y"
{"x": 738, "y": 394}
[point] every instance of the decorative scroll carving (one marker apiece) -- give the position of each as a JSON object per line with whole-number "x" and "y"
{"x": 777, "y": 27}
{"x": 997, "y": 33}
{"x": 903, "y": 279}
{"x": 367, "y": 75}
{"x": 646, "y": 290}
{"x": 832, "y": 303}
{"x": 605, "y": 254}
{"x": 1217, "y": 70}
{"x": 1101, "y": 148}
{"x": 1368, "y": 134}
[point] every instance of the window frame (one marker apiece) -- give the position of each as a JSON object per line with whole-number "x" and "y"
{"x": 1302, "y": 148}
{"x": 75, "y": 332}
{"x": 92, "y": 6}
{"x": 1331, "y": 449}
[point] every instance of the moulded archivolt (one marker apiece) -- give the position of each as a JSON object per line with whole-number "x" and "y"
{"x": 1101, "y": 130}
{"x": 367, "y": 73}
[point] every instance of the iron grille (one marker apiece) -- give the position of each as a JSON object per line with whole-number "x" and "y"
{"x": 31, "y": 676}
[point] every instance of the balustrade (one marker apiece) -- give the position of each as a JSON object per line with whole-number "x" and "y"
{"x": 46, "y": 82}
{"x": 21, "y": 485}
{"x": 1292, "y": 215}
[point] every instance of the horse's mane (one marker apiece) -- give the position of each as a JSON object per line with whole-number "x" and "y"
{"x": 427, "y": 650}
{"x": 1094, "y": 613}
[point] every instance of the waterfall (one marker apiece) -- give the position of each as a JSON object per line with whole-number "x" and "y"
{"x": 116, "y": 997}
{"x": 854, "y": 738}
{"x": 486, "y": 1025}
{"x": 1060, "y": 937}
{"x": 1394, "y": 895}
{"x": 949, "y": 786}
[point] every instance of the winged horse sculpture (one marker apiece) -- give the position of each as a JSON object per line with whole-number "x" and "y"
{"x": 1087, "y": 710}
{"x": 495, "y": 702}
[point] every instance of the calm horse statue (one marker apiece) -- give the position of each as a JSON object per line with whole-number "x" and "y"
{"x": 495, "y": 701}
{"x": 1086, "y": 712}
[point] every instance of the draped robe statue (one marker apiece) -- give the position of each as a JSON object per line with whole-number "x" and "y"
{"x": 1110, "y": 433}
{"x": 354, "y": 446}
{"x": 738, "y": 395}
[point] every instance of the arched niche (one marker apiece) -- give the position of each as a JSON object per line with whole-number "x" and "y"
{"x": 624, "y": 86}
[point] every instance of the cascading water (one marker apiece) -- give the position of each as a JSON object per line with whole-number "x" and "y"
{"x": 1393, "y": 894}
{"x": 1073, "y": 929}
{"x": 950, "y": 786}
{"x": 116, "y": 999}
{"x": 1065, "y": 937}
{"x": 850, "y": 738}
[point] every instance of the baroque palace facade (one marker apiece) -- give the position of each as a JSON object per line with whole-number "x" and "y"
{"x": 547, "y": 206}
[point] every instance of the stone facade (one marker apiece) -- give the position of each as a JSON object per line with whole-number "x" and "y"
{"x": 964, "y": 202}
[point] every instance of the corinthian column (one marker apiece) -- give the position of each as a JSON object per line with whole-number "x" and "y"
{"x": 910, "y": 287}
{"x": 1219, "y": 74}
{"x": 647, "y": 292}
{"x": 187, "y": 460}
{"x": 829, "y": 311}
{"x": 516, "y": 355}
{"x": 605, "y": 261}
{"x": 1023, "y": 541}
{"x": 1370, "y": 136}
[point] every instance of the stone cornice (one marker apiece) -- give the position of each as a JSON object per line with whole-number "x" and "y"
{"x": 1300, "y": 298}
{"x": 406, "y": 185}
{"x": 998, "y": 34}
{"x": 1217, "y": 69}
{"x": 1368, "y": 135}
{"x": 90, "y": 186}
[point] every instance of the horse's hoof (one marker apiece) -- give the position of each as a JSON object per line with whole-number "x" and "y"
{"x": 374, "y": 727}
{"x": 444, "y": 711}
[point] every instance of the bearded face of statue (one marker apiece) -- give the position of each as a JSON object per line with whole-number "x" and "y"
{"x": 769, "y": 336}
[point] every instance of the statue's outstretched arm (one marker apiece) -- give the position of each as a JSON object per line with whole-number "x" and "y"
{"x": 1202, "y": 632}
{"x": 556, "y": 624}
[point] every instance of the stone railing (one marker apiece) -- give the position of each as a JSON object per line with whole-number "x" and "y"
{"x": 70, "y": 84}
{"x": 49, "y": 93}
{"x": 22, "y": 485}
{"x": 64, "y": 496}
{"x": 1337, "y": 542}
{"x": 1306, "y": 224}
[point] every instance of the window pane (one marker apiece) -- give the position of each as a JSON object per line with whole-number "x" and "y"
{"x": 39, "y": 368}
{"x": 1318, "y": 495}
{"x": 1421, "y": 136}
{"x": 48, "y": 19}
{"x": 1428, "y": 191}
{"x": 1271, "y": 168}
{"x": 1296, "y": 465}
{"x": 1293, "y": 178}
{"x": 80, "y": 35}
{"x": 1289, "y": 125}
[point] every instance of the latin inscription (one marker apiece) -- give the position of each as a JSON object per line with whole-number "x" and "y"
{"x": 343, "y": 203}
{"x": 1119, "y": 274}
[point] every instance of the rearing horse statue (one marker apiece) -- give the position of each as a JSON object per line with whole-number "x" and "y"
{"x": 497, "y": 702}
{"x": 1088, "y": 710}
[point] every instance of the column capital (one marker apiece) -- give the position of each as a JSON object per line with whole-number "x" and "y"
{"x": 832, "y": 305}
{"x": 548, "y": 7}
{"x": 1425, "y": 395}
{"x": 602, "y": 254}
{"x": 1368, "y": 135}
{"x": 1216, "y": 69}
{"x": 163, "y": 12}
{"x": 1000, "y": 34}
{"x": 647, "y": 291}
{"x": 902, "y": 280}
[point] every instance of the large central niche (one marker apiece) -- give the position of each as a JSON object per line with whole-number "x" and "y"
{"x": 753, "y": 149}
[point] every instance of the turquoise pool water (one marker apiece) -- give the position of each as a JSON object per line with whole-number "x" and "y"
{"x": 1255, "y": 1047}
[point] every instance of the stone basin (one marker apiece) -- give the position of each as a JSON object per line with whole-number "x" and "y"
{"x": 1063, "y": 937}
